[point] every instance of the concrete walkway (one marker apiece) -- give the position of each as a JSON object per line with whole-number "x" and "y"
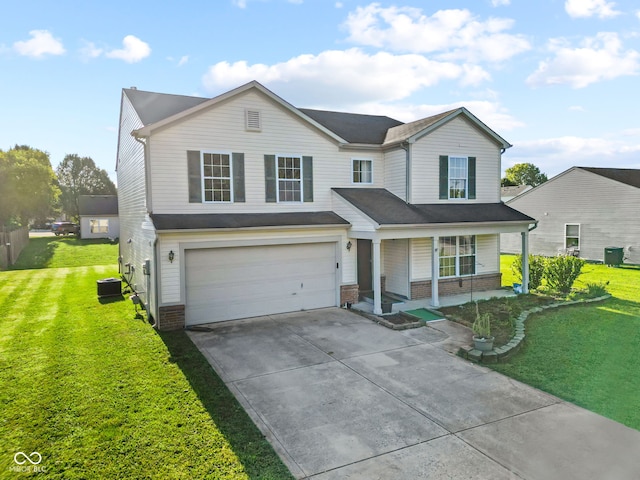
{"x": 339, "y": 396}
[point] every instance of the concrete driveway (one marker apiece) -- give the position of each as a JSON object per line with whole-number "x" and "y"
{"x": 339, "y": 396}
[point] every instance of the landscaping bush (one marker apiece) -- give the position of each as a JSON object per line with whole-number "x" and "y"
{"x": 536, "y": 270}
{"x": 597, "y": 289}
{"x": 562, "y": 271}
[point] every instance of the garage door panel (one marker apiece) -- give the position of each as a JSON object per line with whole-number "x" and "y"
{"x": 238, "y": 282}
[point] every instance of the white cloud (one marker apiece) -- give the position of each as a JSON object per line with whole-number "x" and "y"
{"x": 42, "y": 43}
{"x": 343, "y": 78}
{"x": 497, "y": 3}
{"x": 599, "y": 58}
{"x": 339, "y": 5}
{"x": 590, "y": 8}
{"x": 240, "y": 3}
{"x": 577, "y": 108}
{"x": 90, "y": 51}
{"x": 450, "y": 34}
{"x": 134, "y": 50}
{"x": 183, "y": 60}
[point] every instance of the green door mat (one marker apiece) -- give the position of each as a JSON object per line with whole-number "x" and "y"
{"x": 425, "y": 314}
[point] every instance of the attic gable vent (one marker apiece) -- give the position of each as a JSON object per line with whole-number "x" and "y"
{"x": 253, "y": 120}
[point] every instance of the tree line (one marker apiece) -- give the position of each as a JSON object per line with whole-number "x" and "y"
{"x": 31, "y": 191}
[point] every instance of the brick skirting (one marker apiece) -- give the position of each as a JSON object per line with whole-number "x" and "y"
{"x": 349, "y": 293}
{"x": 454, "y": 286}
{"x": 171, "y": 318}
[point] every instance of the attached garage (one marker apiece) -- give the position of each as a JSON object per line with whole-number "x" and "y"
{"x": 238, "y": 282}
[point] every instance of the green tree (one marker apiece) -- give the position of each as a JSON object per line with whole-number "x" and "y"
{"x": 523, "y": 174}
{"x": 28, "y": 185}
{"x": 80, "y": 176}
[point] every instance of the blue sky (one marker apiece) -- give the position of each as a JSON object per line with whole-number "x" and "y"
{"x": 556, "y": 78}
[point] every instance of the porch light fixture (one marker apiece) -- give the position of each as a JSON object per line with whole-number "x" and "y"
{"x": 349, "y": 246}
{"x": 171, "y": 256}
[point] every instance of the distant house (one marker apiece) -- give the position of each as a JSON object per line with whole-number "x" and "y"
{"x": 99, "y": 216}
{"x": 582, "y": 211}
{"x": 507, "y": 193}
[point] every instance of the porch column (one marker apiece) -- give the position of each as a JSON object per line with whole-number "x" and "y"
{"x": 525, "y": 262}
{"x": 435, "y": 271}
{"x": 377, "y": 285}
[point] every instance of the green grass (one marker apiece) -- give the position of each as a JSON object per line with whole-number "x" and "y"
{"x": 99, "y": 394}
{"x": 53, "y": 252}
{"x": 588, "y": 355}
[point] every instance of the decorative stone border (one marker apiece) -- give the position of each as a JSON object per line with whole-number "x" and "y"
{"x": 514, "y": 345}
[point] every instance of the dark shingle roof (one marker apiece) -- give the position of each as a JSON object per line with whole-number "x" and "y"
{"x": 385, "y": 208}
{"x": 98, "y": 205}
{"x": 152, "y": 107}
{"x": 353, "y": 127}
{"x": 629, "y": 176}
{"x": 201, "y": 221}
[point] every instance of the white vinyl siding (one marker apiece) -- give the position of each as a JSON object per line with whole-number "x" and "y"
{"x": 396, "y": 266}
{"x": 457, "y": 138}
{"x": 606, "y": 210}
{"x": 395, "y": 173}
{"x": 223, "y": 128}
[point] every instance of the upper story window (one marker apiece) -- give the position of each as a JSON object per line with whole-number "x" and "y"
{"x": 572, "y": 236}
{"x": 457, "y": 177}
{"x": 289, "y": 179}
{"x": 457, "y": 256}
{"x": 216, "y": 177}
{"x": 362, "y": 171}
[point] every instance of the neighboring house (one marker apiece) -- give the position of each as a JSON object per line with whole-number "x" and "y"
{"x": 99, "y": 216}
{"x": 244, "y": 205}
{"x": 582, "y": 211}
{"x": 507, "y": 193}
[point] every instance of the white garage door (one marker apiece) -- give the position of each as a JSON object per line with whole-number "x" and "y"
{"x": 239, "y": 282}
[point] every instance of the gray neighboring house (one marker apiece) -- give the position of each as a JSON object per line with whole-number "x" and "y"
{"x": 243, "y": 205}
{"x": 99, "y": 216}
{"x": 509, "y": 193}
{"x": 582, "y": 211}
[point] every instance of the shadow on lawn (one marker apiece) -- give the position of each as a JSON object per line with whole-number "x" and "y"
{"x": 254, "y": 452}
{"x": 40, "y": 250}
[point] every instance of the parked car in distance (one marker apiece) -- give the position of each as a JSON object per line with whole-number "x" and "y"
{"x": 65, "y": 228}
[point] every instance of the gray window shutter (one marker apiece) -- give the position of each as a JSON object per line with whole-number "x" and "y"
{"x": 238, "y": 177}
{"x": 307, "y": 178}
{"x": 195, "y": 180}
{"x": 270, "y": 178}
{"x": 471, "y": 169}
{"x": 444, "y": 177}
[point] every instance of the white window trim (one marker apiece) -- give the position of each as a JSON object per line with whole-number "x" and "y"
{"x": 578, "y": 237}
{"x": 353, "y": 160}
{"x": 457, "y": 257}
{"x": 202, "y": 177}
{"x": 288, "y": 155}
{"x": 99, "y": 220}
{"x": 466, "y": 190}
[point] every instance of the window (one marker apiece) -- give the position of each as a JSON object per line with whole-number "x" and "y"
{"x": 458, "y": 177}
{"x": 216, "y": 177}
{"x": 572, "y": 236}
{"x": 457, "y": 256}
{"x": 362, "y": 171}
{"x": 289, "y": 179}
{"x": 99, "y": 225}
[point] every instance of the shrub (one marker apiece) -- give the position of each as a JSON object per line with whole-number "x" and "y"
{"x": 562, "y": 271}
{"x": 536, "y": 269}
{"x": 598, "y": 289}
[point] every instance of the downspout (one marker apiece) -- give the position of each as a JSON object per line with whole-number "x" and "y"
{"x": 406, "y": 146}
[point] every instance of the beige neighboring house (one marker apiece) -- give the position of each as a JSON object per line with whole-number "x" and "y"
{"x": 508, "y": 193}
{"x": 243, "y": 205}
{"x": 99, "y": 216}
{"x": 582, "y": 211}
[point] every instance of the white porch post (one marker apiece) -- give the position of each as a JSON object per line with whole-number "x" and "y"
{"x": 377, "y": 286}
{"x": 525, "y": 262}
{"x": 435, "y": 271}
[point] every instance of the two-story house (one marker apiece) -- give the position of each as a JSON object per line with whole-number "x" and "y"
{"x": 244, "y": 205}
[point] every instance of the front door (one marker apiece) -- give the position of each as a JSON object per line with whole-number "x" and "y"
{"x": 365, "y": 279}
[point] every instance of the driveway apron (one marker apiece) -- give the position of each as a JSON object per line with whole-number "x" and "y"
{"x": 339, "y": 396}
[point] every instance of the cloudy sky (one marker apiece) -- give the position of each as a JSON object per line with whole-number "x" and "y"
{"x": 559, "y": 79}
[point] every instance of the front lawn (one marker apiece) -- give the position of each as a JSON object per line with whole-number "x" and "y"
{"x": 52, "y": 252}
{"x": 587, "y": 354}
{"x": 98, "y": 393}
